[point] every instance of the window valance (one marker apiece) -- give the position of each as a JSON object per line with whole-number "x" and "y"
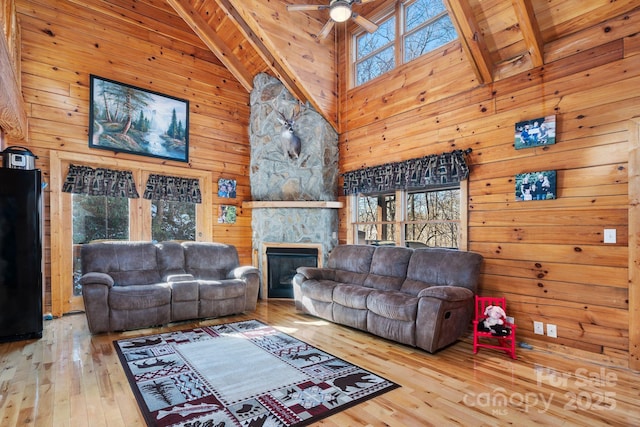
{"x": 173, "y": 189}
{"x": 426, "y": 172}
{"x": 100, "y": 182}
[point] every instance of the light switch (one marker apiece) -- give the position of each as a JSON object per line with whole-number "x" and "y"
{"x": 609, "y": 235}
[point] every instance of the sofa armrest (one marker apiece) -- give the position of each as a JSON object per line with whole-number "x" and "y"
{"x": 242, "y": 272}
{"x": 252, "y": 278}
{"x": 316, "y": 273}
{"x": 95, "y": 294}
{"x": 448, "y": 293}
{"x": 179, "y": 278}
{"x": 93, "y": 278}
{"x": 444, "y": 315}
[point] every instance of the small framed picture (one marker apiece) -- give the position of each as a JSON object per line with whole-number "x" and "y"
{"x": 227, "y": 214}
{"x": 535, "y": 132}
{"x": 227, "y": 188}
{"x": 536, "y": 186}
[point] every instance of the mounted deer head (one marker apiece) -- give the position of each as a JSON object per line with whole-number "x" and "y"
{"x": 291, "y": 143}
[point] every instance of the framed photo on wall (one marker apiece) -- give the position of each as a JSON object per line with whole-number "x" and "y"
{"x": 226, "y": 214}
{"x": 535, "y": 132}
{"x": 227, "y": 188}
{"x": 536, "y": 186}
{"x": 128, "y": 119}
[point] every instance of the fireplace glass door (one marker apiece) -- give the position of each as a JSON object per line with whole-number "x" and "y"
{"x": 282, "y": 263}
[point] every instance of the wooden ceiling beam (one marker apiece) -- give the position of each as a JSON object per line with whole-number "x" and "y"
{"x": 530, "y": 31}
{"x": 200, "y": 26}
{"x": 264, "y": 52}
{"x": 472, "y": 39}
{"x": 303, "y": 64}
{"x": 13, "y": 116}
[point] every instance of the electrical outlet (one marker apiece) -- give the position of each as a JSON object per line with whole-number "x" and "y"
{"x": 538, "y": 328}
{"x": 552, "y": 331}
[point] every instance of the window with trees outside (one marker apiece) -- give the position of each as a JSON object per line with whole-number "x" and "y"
{"x": 424, "y": 25}
{"x": 428, "y": 218}
{"x": 173, "y": 220}
{"x": 96, "y": 218}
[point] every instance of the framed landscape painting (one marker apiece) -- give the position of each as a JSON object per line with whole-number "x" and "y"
{"x": 127, "y": 119}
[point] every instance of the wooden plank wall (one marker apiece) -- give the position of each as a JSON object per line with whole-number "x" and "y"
{"x": 547, "y": 257}
{"x": 63, "y": 42}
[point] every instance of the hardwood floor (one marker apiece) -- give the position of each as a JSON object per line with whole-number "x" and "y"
{"x": 71, "y": 378}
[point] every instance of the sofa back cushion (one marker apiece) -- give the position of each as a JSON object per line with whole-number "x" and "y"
{"x": 388, "y": 268}
{"x": 170, "y": 259}
{"x": 351, "y": 263}
{"x": 128, "y": 263}
{"x": 209, "y": 261}
{"x": 442, "y": 267}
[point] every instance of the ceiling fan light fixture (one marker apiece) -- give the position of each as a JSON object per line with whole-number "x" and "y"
{"x": 340, "y": 10}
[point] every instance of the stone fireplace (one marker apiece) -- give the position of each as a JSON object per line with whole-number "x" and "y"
{"x": 293, "y": 199}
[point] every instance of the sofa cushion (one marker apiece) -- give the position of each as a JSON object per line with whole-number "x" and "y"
{"x": 221, "y": 289}
{"x": 170, "y": 259}
{"x": 393, "y": 305}
{"x": 187, "y": 290}
{"x": 139, "y": 297}
{"x": 318, "y": 290}
{"x": 444, "y": 267}
{"x": 221, "y": 297}
{"x": 210, "y": 261}
{"x": 353, "y": 296}
{"x": 388, "y": 268}
{"x": 351, "y": 262}
{"x": 353, "y": 317}
{"x": 128, "y": 263}
{"x": 396, "y": 330}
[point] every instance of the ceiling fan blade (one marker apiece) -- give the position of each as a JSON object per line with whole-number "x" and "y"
{"x": 363, "y": 1}
{"x": 364, "y": 23}
{"x": 303, "y": 7}
{"x": 326, "y": 29}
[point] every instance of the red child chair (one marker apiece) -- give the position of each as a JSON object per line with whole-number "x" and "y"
{"x": 489, "y": 339}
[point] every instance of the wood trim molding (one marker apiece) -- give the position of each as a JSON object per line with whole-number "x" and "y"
{"x": 634, "y": 244}
{"x": 264, "y": 292}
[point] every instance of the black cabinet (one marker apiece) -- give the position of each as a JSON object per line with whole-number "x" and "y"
{"x": 20, "y": 254}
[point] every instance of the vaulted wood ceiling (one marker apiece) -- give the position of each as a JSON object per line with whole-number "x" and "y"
{"x": 500, "y": 37}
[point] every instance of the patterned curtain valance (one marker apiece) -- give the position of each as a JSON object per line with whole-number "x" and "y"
{"x": 426, "y": 172}
{"x": 100, "y": 182}
{"x": 173, "y": 189}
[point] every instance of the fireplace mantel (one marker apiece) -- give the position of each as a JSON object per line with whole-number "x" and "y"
{"x": 292, "y": 204}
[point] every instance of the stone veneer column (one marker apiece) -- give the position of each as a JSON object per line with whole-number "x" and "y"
{"x": 275, "y": 176}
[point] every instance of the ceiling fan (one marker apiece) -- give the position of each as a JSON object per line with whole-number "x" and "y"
{"x": 339, "y": 11}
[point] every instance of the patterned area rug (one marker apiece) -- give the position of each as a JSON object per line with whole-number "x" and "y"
{"x": 240, "y": 374}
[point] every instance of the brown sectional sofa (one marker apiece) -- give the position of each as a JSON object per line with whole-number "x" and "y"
{"x": 131, "y": 285}
{"x": 419, "y": 297}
